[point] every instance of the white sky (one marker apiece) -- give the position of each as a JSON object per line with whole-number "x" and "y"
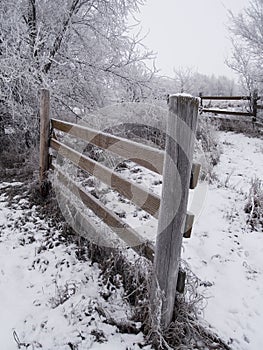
{"x": 189, "y": 33}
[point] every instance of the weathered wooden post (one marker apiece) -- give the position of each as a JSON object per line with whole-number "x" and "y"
{"x": 254, "y": 105}
{"x": 181, "y": 128}
{"x": 44, "y": 140}
{"x": 201, "y": 100}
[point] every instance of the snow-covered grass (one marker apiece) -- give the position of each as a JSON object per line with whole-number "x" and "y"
{"x": 51, "y": 298}
{"x": 254, "y": 204}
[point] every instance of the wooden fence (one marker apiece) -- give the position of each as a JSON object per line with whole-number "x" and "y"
{"x": 252, "y": 99}
{"x": 175, "y": 164}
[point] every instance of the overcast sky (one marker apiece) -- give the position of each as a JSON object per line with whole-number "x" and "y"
{"x": 189, "y": 33}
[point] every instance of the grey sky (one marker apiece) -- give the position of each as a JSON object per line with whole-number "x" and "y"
{"x": 189, "y": 33}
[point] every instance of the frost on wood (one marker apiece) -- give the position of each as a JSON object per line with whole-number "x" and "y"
{"x": 181, "y": 130}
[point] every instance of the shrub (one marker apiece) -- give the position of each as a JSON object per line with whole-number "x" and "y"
{"x": 254, "y": 205}
{"x": 207, "y": 145}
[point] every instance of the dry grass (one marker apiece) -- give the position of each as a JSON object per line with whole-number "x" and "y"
{"x": 254, "y": 205}
{"x": 207, "y": 146}
{"x": 241, "y": 125}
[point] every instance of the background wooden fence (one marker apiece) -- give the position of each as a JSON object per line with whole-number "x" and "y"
{"x": 179, "y": 174}
{"x": 253, "y": 106}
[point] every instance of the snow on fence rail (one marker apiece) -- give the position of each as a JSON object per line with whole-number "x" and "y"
{"x": 253, "y": 105}
{"x": 175, "y": 164}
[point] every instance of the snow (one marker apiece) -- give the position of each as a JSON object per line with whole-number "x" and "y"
{"x": 38, "y": 268}
{"x": 10, "y": 184}
{"x": 181, "y": 94}
{"x": 47, "y": 296}
{"x": 225, "y": 253}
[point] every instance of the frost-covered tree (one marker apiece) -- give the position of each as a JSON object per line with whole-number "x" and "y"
{"x": 247, "y": 38}
{"x": 188, "y": 80}
{"x": 79, "y": 49}
{"x": 184, "y": 79}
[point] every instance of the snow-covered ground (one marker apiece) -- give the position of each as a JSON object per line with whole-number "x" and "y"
{"x": 50, "y": 298}
{"x": 224, "y": 253}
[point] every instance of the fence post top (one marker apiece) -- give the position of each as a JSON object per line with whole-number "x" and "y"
{"x": 44, "y": 91}
{"x": 183, "y": 97}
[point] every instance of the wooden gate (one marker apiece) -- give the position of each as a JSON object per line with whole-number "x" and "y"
{"x": 175, "y": 164}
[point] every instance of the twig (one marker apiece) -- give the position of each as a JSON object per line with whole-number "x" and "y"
{"x": 17, "y": 340}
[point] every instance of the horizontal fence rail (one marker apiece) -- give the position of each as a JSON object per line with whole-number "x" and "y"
{"x": 222, "y": 98}
{"x": 226, "y": 112}
{"x": 252, "y": 99}
{"x": 122, "y": 147}
{"x": 122, "y": 229}
{"x": 146, "y": 156}
{"x": 137, "y": 194}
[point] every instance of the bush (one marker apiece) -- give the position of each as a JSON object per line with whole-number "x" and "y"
{"x": 19, "y": 165}
{"x": 208, "y": 145}
{"x": 254, "y": 205}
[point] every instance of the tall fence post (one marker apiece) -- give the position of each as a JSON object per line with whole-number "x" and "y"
{"x": 44, "y": 139}
{"x": 201, "y": 98}
{"x": 254, "y": 105}
{"x": 181, "y": 129}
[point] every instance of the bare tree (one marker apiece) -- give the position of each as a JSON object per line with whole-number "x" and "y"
{"x": 79, "y": 49}
{"x": 184, "y": 79}
{"x": 190, "y": 81}
{"x": 247, "y": 39}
